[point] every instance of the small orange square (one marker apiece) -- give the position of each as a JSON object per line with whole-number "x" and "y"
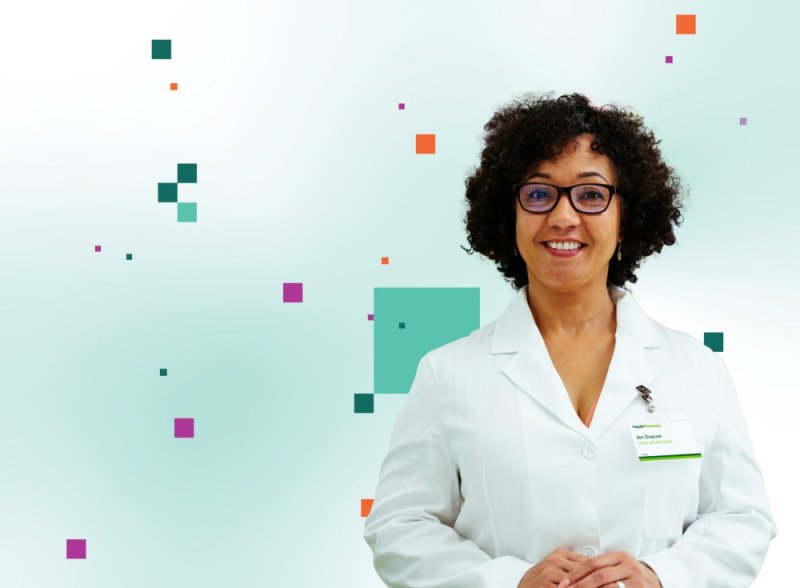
{"x": 366, "y": 506}
{"x": 173, "y": 86}
{"x": 686, "y": 24}
{"x": 426, "y": 144}
{"x": 384, "y": 261}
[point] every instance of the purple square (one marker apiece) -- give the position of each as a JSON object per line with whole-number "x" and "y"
{"x": 293, "y": 291}
{"x": 184, "y": 428}
{"x": 76, "y": 548}
{"x": 668, "y": 59}
{"x": 97, "y": 247}
{"x": 370, "y": 317}
{"x": 742, "y": 120}
{"x": 401, "y": 106}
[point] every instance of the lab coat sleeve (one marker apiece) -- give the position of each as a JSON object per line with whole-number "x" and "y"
{"x": 726, "y": 545}
{"x": 417, "y": 499}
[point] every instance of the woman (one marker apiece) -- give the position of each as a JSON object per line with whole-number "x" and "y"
{"x": 573, "y": 441}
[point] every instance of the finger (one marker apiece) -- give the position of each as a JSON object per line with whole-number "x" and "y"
{"x": 590, "y": 566}
{"x": 571, "y": 555}
{"x": 561, "y": 564}
{"x": 607, "y": 576}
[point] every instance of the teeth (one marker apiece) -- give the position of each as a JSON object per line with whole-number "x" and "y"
{"x": 562, "y": 245}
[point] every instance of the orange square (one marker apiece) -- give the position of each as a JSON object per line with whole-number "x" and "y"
{"x": 426, "y": 144}
{"x": 384, "y": 261}
{"x": 686, "y": 24}
{"x": 173, "y": 86}
{"x": 366, "y": 506}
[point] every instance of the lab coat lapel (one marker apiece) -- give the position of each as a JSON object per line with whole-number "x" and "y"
{"x": 530, "y": 368}
{"x": 637, "y": 360}
{"x": 633, "y": 362}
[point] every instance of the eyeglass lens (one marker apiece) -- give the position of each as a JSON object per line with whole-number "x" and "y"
{"x": 585, "y": 197}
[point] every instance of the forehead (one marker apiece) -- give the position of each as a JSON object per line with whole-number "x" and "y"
{"x": 576, "y": 158}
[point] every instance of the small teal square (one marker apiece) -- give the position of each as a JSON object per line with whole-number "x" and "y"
{"x": 187, "y": 173}
{"x": 713, "y": 341}
{"x": 128, "y": 256}
{"x": 162, "y": 372}
{"x": 162, "y": 49}
{"x": 402, "y": 325}
{"x": 167, "y": 192}
{"x": 187, "y": 212}
{"x": 364, "y": 403}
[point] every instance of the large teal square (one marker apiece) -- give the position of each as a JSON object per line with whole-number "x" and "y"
{"x": 161, "y": 49}
{"x": 187, "y": 173}
{"x": 167, "y": 192}
{"x": 432, "y": 317}
{"x": 187, "y": 212}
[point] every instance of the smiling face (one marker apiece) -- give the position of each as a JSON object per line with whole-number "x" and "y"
{"x": 584, "y": 267}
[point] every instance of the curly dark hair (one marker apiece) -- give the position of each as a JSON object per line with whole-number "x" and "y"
{"x": 537, "y": 128}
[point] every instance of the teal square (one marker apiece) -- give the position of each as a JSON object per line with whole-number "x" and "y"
{"x": 713, "y": 341}
{"x": 162, "y": 372}
{"x": 439, "y": 316}
{"x": 128, "y": 256}
{"x": 167, "y": 192}
{"x": 364, "y": 403}
{"x": 162, "y": 49}
{"x": 187, "y": 173}
{"x": 187, "y": 212}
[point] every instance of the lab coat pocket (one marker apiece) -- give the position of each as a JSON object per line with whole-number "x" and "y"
{"x": 665, "y": 497}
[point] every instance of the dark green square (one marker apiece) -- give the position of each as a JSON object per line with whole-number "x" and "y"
{"x": 713, "y": 341}
{"x": 364, "y": 403}
{"x": 187, "y": 173}
{"x": 162, "y": 372}
{"x": 402, "y": 325}
{"x": 129, "y": 256}
{"x": 162, "y": 49}
{"x": 167, "y": 192}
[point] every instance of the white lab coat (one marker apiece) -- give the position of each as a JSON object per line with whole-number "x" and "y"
{"x": 489, "y": 467}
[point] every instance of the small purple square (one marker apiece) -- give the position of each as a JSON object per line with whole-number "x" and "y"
{"x": 401, "y": 106}
{"x": 293, "y": 291}
{"x": 184, "y": 428}
{"x": 370, "y": 317}
{"x": 742, "y": 120}
{"x": 668, "y": 59}
{"x": 76, "y": 548}
{"x": 97, "y": 248}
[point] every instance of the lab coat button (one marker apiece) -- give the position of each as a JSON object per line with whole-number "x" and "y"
{"x": 589, "y": 551}
{"x": 589, "y": 451}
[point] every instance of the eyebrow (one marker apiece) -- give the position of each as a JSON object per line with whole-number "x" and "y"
{"x": 585, "y": 174}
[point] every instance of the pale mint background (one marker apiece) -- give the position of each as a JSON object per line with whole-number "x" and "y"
{"x": 307, "y": 172}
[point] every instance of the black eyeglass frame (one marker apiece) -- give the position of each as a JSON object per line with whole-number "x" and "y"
{"x": 568, "y": 189}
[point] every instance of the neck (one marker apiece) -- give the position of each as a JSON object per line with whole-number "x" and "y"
{"x": 586, "y": 311}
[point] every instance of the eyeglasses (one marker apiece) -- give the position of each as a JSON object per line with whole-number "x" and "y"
{"x": 585, "y": 198}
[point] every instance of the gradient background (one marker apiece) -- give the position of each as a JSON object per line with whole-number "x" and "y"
{"x": 307, "y": 172}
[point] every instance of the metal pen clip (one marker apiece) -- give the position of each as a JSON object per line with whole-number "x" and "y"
{"x": 647, "y": 396}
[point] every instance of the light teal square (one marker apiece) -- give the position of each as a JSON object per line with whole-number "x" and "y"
{"x": 187, "y": 212}
{"x": 428, "y": 318}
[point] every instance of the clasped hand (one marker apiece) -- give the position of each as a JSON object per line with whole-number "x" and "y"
{"x": 563, "y": 568}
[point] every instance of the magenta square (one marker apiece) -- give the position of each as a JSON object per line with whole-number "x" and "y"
{"x": 742, "y": 120}
{"x": 668, "y": 59}
{"x": 370, "y": 317}
{"x": 184, "y": 428}
{"x": 76, "y": 548}
{"x": 293, "y": 291}
{"x": 97, "y": 247}
{"x": 401, "y": 106}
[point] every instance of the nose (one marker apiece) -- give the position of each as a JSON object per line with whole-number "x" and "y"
{"x": 563, "y": 216}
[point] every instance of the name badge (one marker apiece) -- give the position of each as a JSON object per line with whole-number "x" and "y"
{"x": 664, "y": 436}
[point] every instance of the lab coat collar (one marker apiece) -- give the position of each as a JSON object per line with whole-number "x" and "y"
{"x": 634, "y": 362}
